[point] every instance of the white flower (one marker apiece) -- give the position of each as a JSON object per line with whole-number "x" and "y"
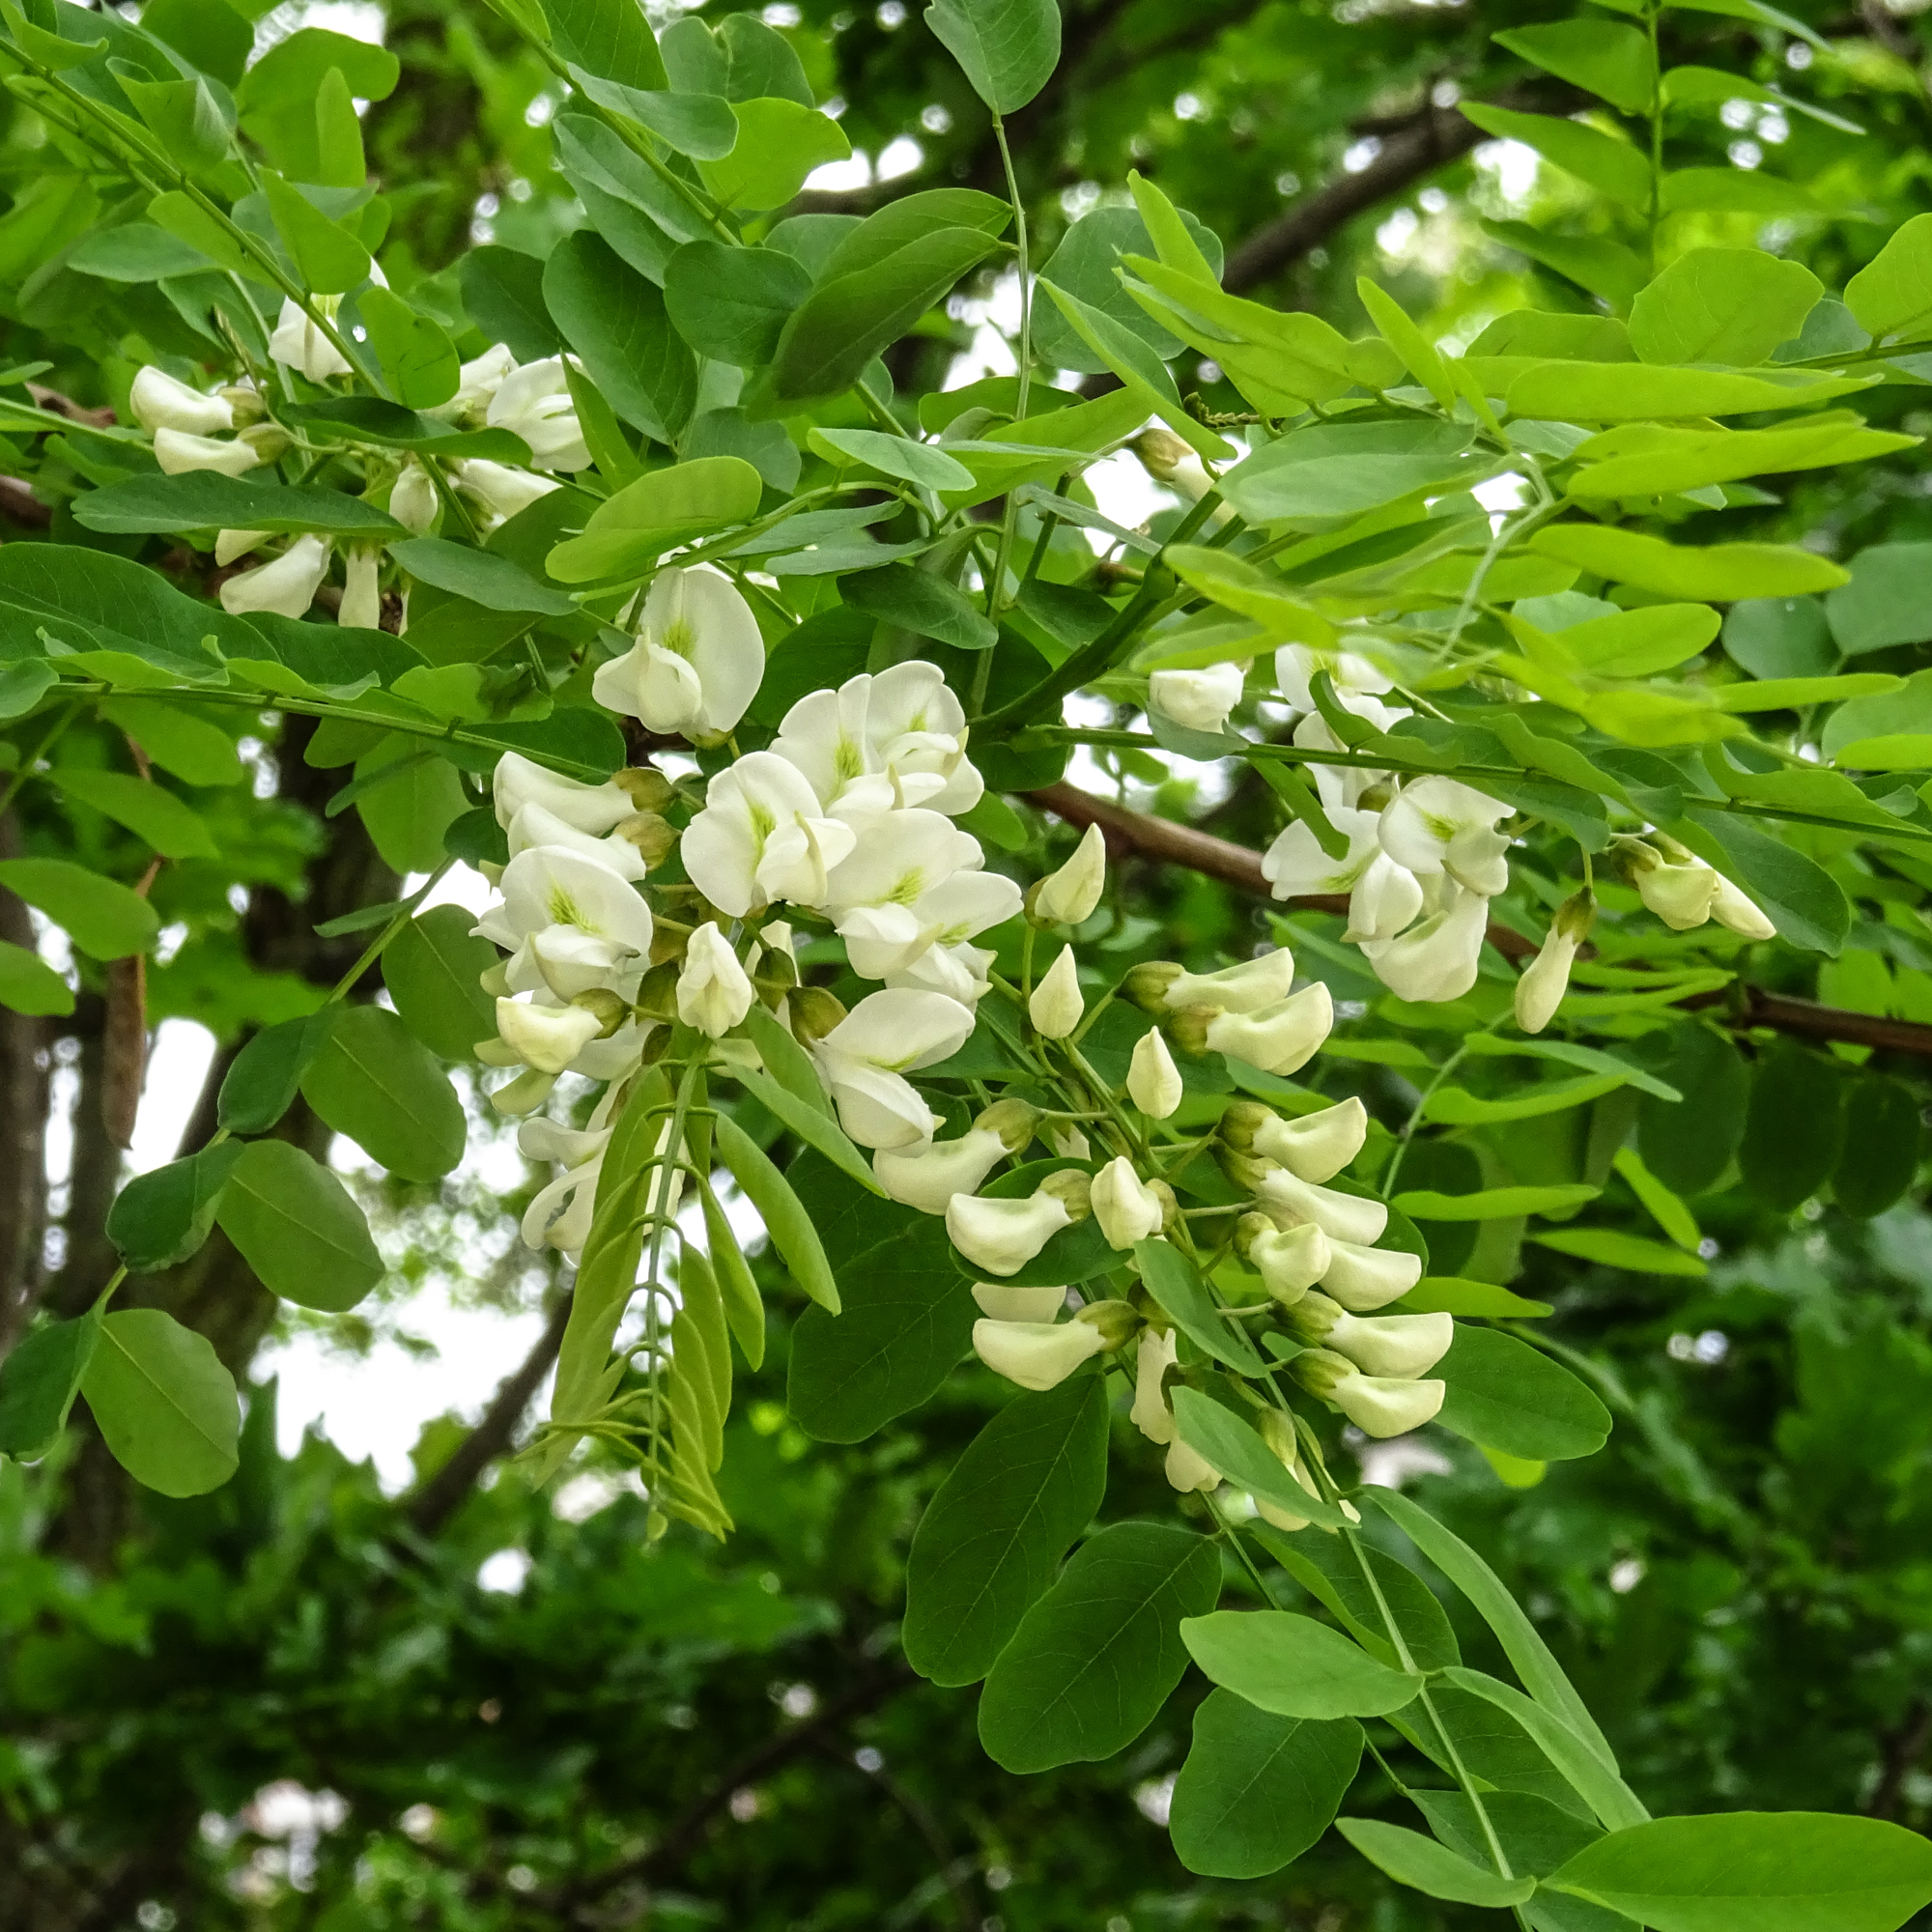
{"x": 571, "y": 922}
{"x": 158, "y": 401}
{"x": 1435, "y": 959}
{"x": 1398, "y": 1345}
{"x": 1317, "y": 1146}
{"x": 1279, "y": 1038}
{"x": 299, "y": 343}
{"x": 560, "y": 1215}
{"x": 1296, "y": 866}
{"x": 927, "y": 1177}
{"x": 1069, "y": 895}
{"x": 1001, "y": 1236}
{"x": 519, "y": 782}
{"x": 477, "y": 380}
{"x": 1344, "y": 784}
{"x": 1342, "y": 1217}
{"x": 760, "y": 837}
{"x": 547, "y": 1038}
{"x": 1353, "y": 676}
{"x": 1056, "y": 1007}
{"x": 1363, "y": 1278}
{"x": 361, "y": 596}
{"x": 1438, "y": 825}
{"x": 698, "y": 659}
{"x": 501, "y": 490}
{"x": 1375, "y": 1405}
{"x": 1151, "y": 1413}
{"x": 922, "y": 875}
{"x": 533, "y": 825}
{"x": 231, "y": 544}
{"x": 287, "y": 584}
{"x": 178, "y": 453}
{"x": 1036, "y": 1354}
{"x": 1001, "y": 1301}
{"x": 1540, "y": 991}
{"x": 714, "y": 991}
{"x": 864, "y": 1058}
{"x": 959, "y": 972}
{"x": 413, "y": 497}
{"x": 1679, "y": 893}
{"x": 1386, "y": 898}
{"x": 1244, "y": 987}
{"x": 1153, "y": 1083}
{"x": 1126, "y": 1208}
{"x": 1291, "y": 1260}
{"x": 876, "y": 743}
{"x": 1198, "y": 699}
{"x": 534, "y": 403}
{"x": 1731, "y": 908}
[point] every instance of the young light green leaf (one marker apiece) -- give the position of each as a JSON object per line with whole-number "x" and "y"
{"x": 1174, "y": 1281}
{"x": 779, "y": 143}
{"x": 148, "y": 810}
{"x": 1411, "y": 1859}
{"x": 1493, "y": 1203}
{"x": 920, "y": 463}
{"x": 1095, "y": 1657}
{"x": 295, "y": 1224}
{"x": 1707, "y": 573}
{"x": 164, "y": 1405}
{"x": 101, "y": 917}
{"x": 992, "y": 1538}
{"x": 1728, "y": 305}
{"x": 1294, "y": 1666}
{"x": 812, "y": 1124}
{"x": 1612, "y": 1247}
{"x": 372, "y": 1080}
{"x": 431, "y": 968}
{"x": 744, "y": 1307}
{"x": 1891, "y": 295}
{"x": 328, "y": 257}
{"x": 28, "y": 984}
{"x": 1006, "y": 48}
{"x": 628, "y": 532}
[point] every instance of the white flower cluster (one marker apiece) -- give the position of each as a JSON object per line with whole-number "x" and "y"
{"x": 1424, "y": 857}
{"x": 532, "y": 400}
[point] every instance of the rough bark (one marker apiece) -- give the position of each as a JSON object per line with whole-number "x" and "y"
{"x": 27, "y": 1063}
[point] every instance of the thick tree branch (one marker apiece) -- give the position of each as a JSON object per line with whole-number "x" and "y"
{"x": 1162, "y": 838}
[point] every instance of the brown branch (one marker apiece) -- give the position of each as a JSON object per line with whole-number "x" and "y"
{"x": 1162, "y": 838}
{"x": 58, "y": 405}
{"x": 440, "y": 1496}
{"x": 687, "y": 1830}
{"x": 19, "y": 506}
{"x": 1904, "y": 1746}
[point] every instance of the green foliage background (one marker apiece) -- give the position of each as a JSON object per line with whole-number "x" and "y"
{"x": 1739, "y": 1583}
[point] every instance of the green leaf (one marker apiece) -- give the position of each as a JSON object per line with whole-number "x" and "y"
{"x": 1340, "y": 469}
{"x": 1891, "y": 295}
{"x": 1791, "y": 694}
{"x": 1612, "y": 60}
{"x": 1631, "y": 643}
{"x": 924, "y": 463}
{"x": 1794, "y": 1127}
{"x": 792, "y": 1227}
{"x": 904, "y": 1314}
{"x": 1776, "y": 1871}
{"x": 1094, "y": 1660}
{"x": 295, "y": 1224}
{"x": 328, "y": 257}
{"x": 265, "y": 1076}
{"x": 135, "y": 251}
{"x": 194, "y": 121}
{"x": 1883, "y": 603}
{"x": 1732, "y": 305}
{"x": 203, "y": 499}
{"x": 372, "y": 1080}
{"x": 482, "y": 576}
{"x": 616, "y": 321}
{"x": 1294, "y": 1666}
{"x": 1006, "y": 48}
{"x": 23, "y": 684}
{"x": 610, "y": 37}
{"x": 503, "y": 294}
{"x": 431, "y": 968}
{"x": 372, "y": 419}
{"x": 1257, "y": 1790}
{"x": 1607, "y": 268}
{"x": 1804, "y": 901}
{"x": 102, "y": 917}
{"x": 1331, "y": 1569}
{"x": 1456, "y": 1106}
{"x": 778, "y": 144}
{"x": 338, "y": 139}
{"x": 1883, "y": 1138}
{"x": 1187, "y": 1301}
{"x": 1087, "y": 264}
{"x": 1487, "y": 1046}
{"x": 148, "y": 810}
{"x": 1611, "y": 1247}
{"x": 39, "y": 1378}
{"x": 629, "y": 532}
{"x": 690, "y": 121}
{"x": 992, "y": 1537}
{"x": 732, "y": 303}
{"x": 416, "y": 352}
{"x": 1620, "y": 392}
{"x": 810, "y": 1123}
{"x": 1620, "y": 169}
{"x": 29, "y": 985}
{"x": 1235, "y": 1451}
{"x": 162, "y": 1216}
{"x": 407, "y": 797}
{"x": 1523, "y": 1645}
{"x": 743, "y": 1310}
{"x": 164, "y": 1405}
{"x": 879, "y": 280}
{"x": 918, "y": 601}
{"x": 1713, "y": 573}
{"x": 1450, "y": 1295}
{"x": 1493, "y": 1203}
{"x": 1509, "y": 1396}
{"x": 1411, "y": 1859}
{"x": 1654, "y": 459}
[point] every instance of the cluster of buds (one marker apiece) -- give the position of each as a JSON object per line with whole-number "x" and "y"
{"x": 1250, "y": 1010}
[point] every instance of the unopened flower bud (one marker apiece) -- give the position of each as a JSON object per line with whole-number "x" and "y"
{"x": 1016, "y": 1121}
{"x": 362, "y": 605}
{"x": 546, "y": 1037}
{"x": 1244, "y": 987}
{"x": 413, "y": 499}
{"x": 1363, "y": 1279}
{"x": 1240, "y": 1121}
{"x": 1146, "y": 984}
{"x": 1317, "y": 1147}
{"x": 927, "y": 1177}
{"x": 179, "y": 452}
{"x": 814, "y": 1013}
{"x": 1281, "y": 1038}
{"x": 1342, "y": 1217}
{"x": 1001, "y": 1236}
{"x": 1376, "y": 1405}
{"x": 1153, "y": 1083}
{"x": 1123, "y": 1206}
{"x": 1069, "y": 895}
{"x": 1289, "y": 1261}
{"x": 1540, "y": 991}
{"x": 269, "y": 442}
{"x": 158, "y": 401}
{"x": 649, "y": 789}
{"x": 1056, "y": 1005}
{"x": 652, "y": 834}
{"x": 1002, "y": 1301}
{"x": 1038, "y": 1355}
{"x": 1731, "y": 908}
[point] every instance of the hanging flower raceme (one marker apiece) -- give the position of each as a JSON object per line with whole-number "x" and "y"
{"x": 697, "y": 662}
